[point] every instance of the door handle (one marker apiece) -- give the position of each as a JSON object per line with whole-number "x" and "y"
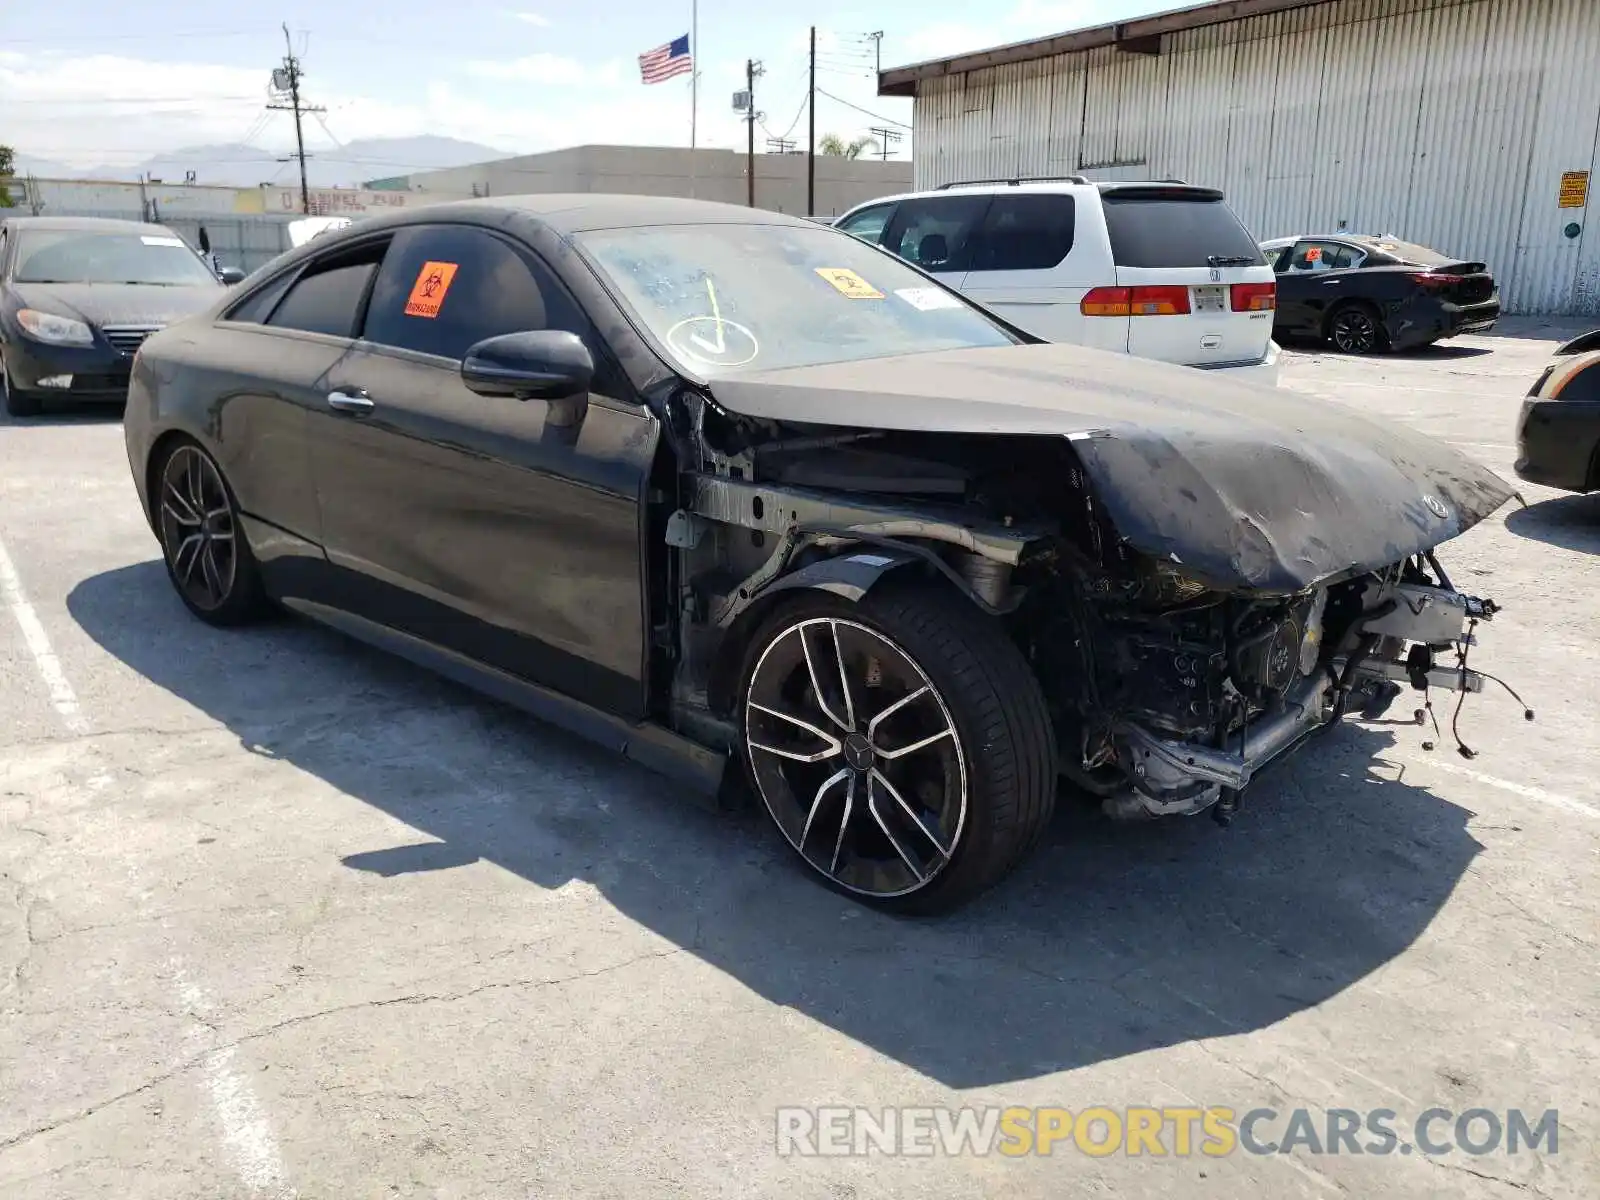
{"x": 1331, "y": 282}
{"x": 355, "y": 401}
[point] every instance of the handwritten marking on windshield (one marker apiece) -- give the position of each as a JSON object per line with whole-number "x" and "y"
{"x": 718, "y": 344}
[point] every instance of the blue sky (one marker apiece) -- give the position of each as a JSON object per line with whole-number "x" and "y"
{"x": 94, "y": 82}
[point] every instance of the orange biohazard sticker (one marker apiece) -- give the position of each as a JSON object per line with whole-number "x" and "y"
{"x": 1313, "y": 253}
{"x": 428, "y": 292}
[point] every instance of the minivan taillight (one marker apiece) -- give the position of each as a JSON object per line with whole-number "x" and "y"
{"x": 1159, "y": 301}
{"x": 1254, "y": 297}
{"x": 1104, "y": 302}
{"x": 1135, "y": 302}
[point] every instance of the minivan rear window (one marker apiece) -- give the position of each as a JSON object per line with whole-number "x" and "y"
{"x": 1170, "y": 229}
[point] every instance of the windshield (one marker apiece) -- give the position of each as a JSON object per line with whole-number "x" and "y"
{"x": 156, "y": 258}
{"x": 728, "y": 297}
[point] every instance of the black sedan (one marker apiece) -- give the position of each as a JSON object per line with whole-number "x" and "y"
{"x": 711, "y": 485}
{"x": 1368, "y": 294}
{"x": 77, "y": 297}
{"x": 1558, "y": 431}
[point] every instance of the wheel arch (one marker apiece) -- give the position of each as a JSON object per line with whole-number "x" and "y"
{"x": 849, "y": 575}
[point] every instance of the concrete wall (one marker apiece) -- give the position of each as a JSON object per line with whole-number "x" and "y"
{"x": 1445, "y": 122}
{"x": 666, "y": 171}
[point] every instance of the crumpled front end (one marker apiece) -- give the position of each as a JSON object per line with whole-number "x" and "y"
{"x": 1295, "y": 669}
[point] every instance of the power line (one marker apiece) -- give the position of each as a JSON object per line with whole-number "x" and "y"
{"x": 863, "y": 111}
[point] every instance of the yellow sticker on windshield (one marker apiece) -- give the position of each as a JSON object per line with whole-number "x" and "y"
{"x": 849, "y": 283}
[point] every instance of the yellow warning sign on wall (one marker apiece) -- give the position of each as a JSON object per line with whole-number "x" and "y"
{"x": 1574, "y": 189}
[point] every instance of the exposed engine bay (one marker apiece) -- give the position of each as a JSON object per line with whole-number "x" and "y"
{"x": 1169, "y": 692}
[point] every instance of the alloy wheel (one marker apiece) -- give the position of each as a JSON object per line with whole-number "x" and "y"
{"x": 856, "y": 757}
{"x": 1355, "y": 332}
{"x": 198, "y": 529}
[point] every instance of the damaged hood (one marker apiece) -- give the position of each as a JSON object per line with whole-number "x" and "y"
{"x": 1241, "y": 484}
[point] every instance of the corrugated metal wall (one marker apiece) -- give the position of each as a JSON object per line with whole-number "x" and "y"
{"x": 1447, "y": 122}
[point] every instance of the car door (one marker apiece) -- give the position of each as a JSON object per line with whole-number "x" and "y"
{"x": 1031, "y": 262}
{"x": 1314, "y": 274}
{"x": 868, "y": 223}
{"x": 271, "y": 353}
{"x": 485, "y": 525}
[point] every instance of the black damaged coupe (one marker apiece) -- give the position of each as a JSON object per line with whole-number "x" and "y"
{"x": 724, "y": 489}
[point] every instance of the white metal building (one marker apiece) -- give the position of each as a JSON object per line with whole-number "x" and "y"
{"x": 1467, "y": 125}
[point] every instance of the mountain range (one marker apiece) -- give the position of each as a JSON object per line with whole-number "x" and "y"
{"x": 239, "y": 165}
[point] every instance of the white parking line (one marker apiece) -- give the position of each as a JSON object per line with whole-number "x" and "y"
{"x": 245, "y": 1131}
{"x": 1527, "y": 792}
{"x": 62, "y": 697}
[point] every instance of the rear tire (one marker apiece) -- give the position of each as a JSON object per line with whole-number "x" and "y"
{"x": 901, "y": 745}
{"x": 17, "y": 403}
{"x": 1356, "y": 327}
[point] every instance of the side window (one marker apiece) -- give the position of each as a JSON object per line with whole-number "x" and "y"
{"x": 328, "y": 295}
{"x": 1277, "y": 257}
{"x": 933, "y": 233}
{"x": 444, "y": 288}
{"x": 1024, "y": 233}
{"x": 255, "y": 307}
{"x": 1349, "y": 256}
{"x": 1319, "y": 256}
{"x": 868, "y": 223}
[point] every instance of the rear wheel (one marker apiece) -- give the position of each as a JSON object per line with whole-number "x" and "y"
{"x": 1356, "y": 328}
{"x": 901, "y": 745}
{"x": 17, "y": 404}
{"x": 208, "y": 558}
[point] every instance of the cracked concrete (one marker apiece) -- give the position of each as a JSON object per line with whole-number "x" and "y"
{"x": 446, "y": 952}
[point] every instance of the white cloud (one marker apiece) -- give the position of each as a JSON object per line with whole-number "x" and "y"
{"x": 530, "y": 18}
{"x": 547, "y": 69}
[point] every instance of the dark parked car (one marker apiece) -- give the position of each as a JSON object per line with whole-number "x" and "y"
{"x": 1558, "y": 431}
{"x": 711, "y": 484}
{"x": 1367, "y": 294}
{"x": 79, "y": 295}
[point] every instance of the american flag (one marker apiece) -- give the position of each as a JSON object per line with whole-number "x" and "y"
{"x": 666, "y": 61}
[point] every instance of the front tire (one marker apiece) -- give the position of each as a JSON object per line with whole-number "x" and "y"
{"x": 203, "y": 543}
{"x": 901, "y": 745}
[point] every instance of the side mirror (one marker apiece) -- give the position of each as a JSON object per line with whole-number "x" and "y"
{"x": 544, "y": 364}
{"x": 230, "y": 275}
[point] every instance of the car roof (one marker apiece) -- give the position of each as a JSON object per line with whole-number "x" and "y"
{"x": 84, "y": 224}
{"x": 578, "y": 212}
{"x": 1047, "y": 186}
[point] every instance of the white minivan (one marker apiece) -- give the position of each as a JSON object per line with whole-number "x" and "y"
{"x": 1161, "y": 270}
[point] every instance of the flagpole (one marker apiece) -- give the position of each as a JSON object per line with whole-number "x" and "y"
{"x": 694, "y": 90}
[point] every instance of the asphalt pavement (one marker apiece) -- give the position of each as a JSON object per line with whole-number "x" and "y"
{"x": 280, "y": 916}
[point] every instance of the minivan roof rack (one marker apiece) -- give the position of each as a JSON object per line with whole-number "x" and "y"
{"x": 1013, "y": 182}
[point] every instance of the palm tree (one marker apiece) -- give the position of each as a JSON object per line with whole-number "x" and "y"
{"x": 834, "y": 145}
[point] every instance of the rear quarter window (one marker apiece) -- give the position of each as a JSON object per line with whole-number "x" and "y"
{"x": 1165, "y": 229}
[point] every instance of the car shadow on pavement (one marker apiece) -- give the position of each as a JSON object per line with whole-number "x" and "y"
{"x": 1571, "y": 522}
{"x": 1110, "y": 941}
{"x": 1442, "y": 352}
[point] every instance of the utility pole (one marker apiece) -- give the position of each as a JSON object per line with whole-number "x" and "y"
{"x": 886, "y": 138}
{"x": 751, "y": 69}
{"x": 287, "y": 79}
{"x": 780, "y": 146}
{"x": 877, "y": 51}
{"x": 811, "y": 117}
